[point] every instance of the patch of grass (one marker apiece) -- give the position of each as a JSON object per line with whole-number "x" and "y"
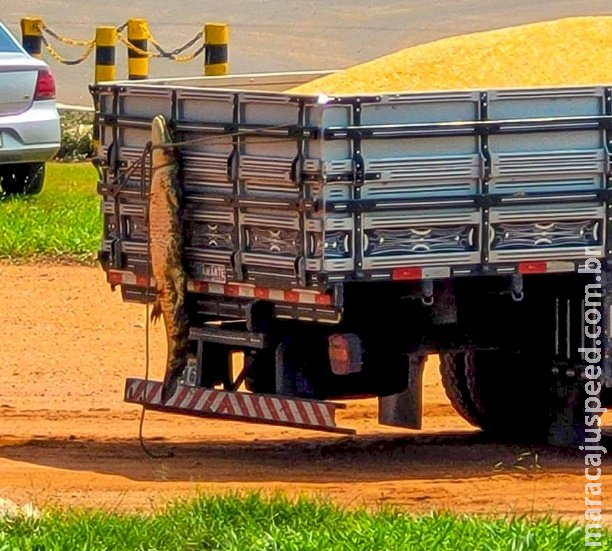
{"x": 62, "y": 223}
{"x": 255, "y": 523}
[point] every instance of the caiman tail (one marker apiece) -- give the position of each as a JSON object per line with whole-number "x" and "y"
{"x": 166, "y": 246}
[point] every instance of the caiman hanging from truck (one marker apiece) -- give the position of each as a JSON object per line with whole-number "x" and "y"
{"x": 336, "y": 241}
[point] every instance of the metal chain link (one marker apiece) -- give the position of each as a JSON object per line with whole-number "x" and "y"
{"x": 188, "y": 57}
{"x": 174, "y": 53}
{"x": 58, "y": 57}
{"x": 65, "y": 39}
{"x": 90, "y": 44}
{"x": 161, "y": 52}
{"x": 136, "y": 49}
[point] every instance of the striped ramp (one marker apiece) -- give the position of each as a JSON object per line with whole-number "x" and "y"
{"x": 238, "y": 406}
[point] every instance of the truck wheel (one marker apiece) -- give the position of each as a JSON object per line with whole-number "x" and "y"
{"x": 22, "y": 179}
{"x": 456, "y": 388}
{"x": 506, "y": 393}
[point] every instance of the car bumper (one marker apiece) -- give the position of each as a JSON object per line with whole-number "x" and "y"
{"x": 32, "y": 136}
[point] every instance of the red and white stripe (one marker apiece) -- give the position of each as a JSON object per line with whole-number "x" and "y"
{"x": 295, "y": 296}
{"x": 121, "y": 277}
{"x": 545, "y": 267}
{"x": 298, "y": 296}
{"x": 277, "y": 410}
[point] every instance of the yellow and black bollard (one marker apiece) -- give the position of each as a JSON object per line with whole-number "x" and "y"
{"x": 216, "y": 37}
{"x": 138, "y": 59}
{"x": 106, "y": 43}
{"x": 31, "y": 35}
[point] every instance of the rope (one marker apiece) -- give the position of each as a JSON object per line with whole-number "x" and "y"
{"x": 209, "y": 139}
{"x": 117, "y": 184}
{"x": 144, "y": 194}
{"x": 58, "y": 57}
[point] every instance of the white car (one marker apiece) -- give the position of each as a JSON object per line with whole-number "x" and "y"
{"x": 29, "y": 121}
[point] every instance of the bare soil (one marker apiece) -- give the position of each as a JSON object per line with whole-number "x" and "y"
{"x": 67, "y": 438}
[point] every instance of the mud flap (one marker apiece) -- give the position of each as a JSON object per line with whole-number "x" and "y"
{"x": 567, "y": 421}
{"x": 405, "y": 409}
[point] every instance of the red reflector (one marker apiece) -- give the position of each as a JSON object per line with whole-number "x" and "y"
{"x": 232, "y": 290}
{"x": 45, "y": 85}
{"x": 532, "y": 268}
{"x": 261, "y": 292}
{"x": 323, "y": 299}
{"x": 345, "y": 354}
{"x": 292, "y": 296}
{"x": 114, "y": 278}
{"x": 404, "y": 274}
{"x": 200, "y": 286}
{"x": 141, "y": 281}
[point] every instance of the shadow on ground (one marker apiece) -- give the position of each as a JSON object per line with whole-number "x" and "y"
{"x": 313, "y": 460}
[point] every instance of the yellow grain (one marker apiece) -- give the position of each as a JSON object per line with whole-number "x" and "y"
{"x": 570, "y": 51}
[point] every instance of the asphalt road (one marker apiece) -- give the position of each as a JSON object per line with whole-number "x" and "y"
{"x": 282, "y": 35}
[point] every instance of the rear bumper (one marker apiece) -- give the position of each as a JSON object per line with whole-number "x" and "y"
{"x": 32, "y": 136}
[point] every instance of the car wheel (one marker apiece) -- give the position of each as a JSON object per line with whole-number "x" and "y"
{"x": 22, "y": 179}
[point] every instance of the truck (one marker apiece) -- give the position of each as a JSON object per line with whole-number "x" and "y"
{"x": 337, "y": 240}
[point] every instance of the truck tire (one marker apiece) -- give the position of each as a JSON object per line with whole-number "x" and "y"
{"x": 456, "y": 387}
{"x": 22, "y": 179}
{"x": 505, "y": 393}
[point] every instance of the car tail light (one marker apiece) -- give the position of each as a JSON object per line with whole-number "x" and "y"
{"x": 45, "y": 85}
{"x": 345, "y": 354}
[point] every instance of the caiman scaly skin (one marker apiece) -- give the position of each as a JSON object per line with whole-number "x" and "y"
{"x": 166, "y": 247}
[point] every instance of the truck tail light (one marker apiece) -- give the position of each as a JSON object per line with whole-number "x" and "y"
{"x": 345, "y": 354}
{"x": 45, "y": 85}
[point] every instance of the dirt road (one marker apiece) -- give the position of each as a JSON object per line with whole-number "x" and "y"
{"x": 66, "y": 437}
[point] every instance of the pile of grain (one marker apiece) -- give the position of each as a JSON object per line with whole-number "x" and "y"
{"x": 576, "y": 50}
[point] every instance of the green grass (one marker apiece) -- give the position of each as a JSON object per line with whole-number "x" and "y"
{"x": 62, "y": 223}
{"x": 255, "y": 523}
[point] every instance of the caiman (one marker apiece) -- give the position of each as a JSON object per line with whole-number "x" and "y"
{"x": 166, "y": 246}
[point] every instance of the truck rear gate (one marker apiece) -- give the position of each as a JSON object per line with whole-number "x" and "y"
{"x": 297, "y": 191}
{"x": 296, "y": 201}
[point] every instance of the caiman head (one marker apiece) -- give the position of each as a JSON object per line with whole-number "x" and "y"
{"x": 160, "y": 135}
{"x": 164, "y": 163}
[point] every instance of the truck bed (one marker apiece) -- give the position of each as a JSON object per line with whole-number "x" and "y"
{"x": 290, "y": 196}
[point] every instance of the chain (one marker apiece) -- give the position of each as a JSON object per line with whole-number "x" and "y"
{"x": 65, "y": 39}
{"x": 58, "y": 57}
{"x": 161, "y": 52}
{"x": 188, "y": 57}
{"x": 136, "y": 49}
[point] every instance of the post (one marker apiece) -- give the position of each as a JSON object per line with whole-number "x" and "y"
{"x": 106, "y": 42}
{"x": 31, "y": 35}
{"x": 138, "y": 63}
{"x": 216, "y": 38}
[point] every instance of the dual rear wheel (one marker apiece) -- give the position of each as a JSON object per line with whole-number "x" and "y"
{"x": 506, "y": 393}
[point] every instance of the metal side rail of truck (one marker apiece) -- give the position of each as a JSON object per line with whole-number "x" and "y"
{"x": 337, "y": 241}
